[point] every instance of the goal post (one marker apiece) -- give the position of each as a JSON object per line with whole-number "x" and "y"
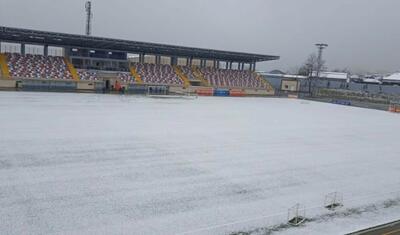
{"x": 333, "y": 201}
{"x": 296, "y": 215}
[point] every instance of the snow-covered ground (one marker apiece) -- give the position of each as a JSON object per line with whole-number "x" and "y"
{"x": 103, "y": 164}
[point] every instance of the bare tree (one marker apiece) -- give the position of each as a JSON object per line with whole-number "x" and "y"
{"x": 309, "y": 69}
{"x": 311, "y": 65}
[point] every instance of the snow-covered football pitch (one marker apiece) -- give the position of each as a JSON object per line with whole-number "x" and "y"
{"x": 109, "y": 164}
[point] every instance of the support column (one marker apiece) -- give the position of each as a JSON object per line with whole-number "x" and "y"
{"x": 46, "y": 50}
{"x": 158, "y": 59}
{"x": 0, "y": 48}
{"x": 239, "y": 64}
{"x": 66, "y": 52}
{"x": 218, "y": 64}
{"x": 174, "y": 61}
{"x": 226, "y": 65}
{"x": 141, "y": 58}
{"x": 188, "y": 61}
{"x": 254, "y": 67}
{"x": 230, "y": 64}
{"x": 22, "y": 48}
{"x": 215, "y": 64}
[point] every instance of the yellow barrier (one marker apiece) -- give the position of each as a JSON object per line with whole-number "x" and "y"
{"x": 199, "y": 76}
{"x": 137, "y": 77}
{"x": 182, "y": 76}
{"x": 4, "y": 67}
{"x": 72, "y": 70}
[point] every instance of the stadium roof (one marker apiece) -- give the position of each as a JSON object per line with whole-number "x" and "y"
{"x": 28, "y": 36}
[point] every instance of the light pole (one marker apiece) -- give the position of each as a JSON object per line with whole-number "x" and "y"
{"x": 89, "y": 16}
{"x": 321, "y": 47}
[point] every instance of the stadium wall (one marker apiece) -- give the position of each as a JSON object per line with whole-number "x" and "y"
{"x": 51, "y": 85}
{"x": 99, "y": 87}
{"x": 254, "y": 92}
{"x": 48, "y": 85}
{"x": 210, "y": 91}
{"x": 86, "y": 86}
{"x": 7, "y": 84}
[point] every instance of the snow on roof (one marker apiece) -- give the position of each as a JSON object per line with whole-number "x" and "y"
{"x": 332, "y": 75}
{"x": 293, "y": 76}
{"x": 393, "y": 77}
{"x": 282, "y": 75}
{"x": 371, "y": 80}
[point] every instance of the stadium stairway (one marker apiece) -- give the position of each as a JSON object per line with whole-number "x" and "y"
{"x": 5, "y": 72}
{"x": 267, "y": 84}
{"x": 137, "y": 77}
{"x": 72, "y": 70}
{"x": 182, "y": 76}
{"x": 199, "y": 76}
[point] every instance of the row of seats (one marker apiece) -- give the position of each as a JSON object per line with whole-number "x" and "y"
{"x": 91, "y": 75}
{"x": 37, "y": 66}
{"x": 87, "y": 75}
{"x": 188, "y": 72}
{"x": 158, "y": 74}
{"x": 52, "y": 67}
{"x": 232, "y": 78}
{"x": 126, "y": 77}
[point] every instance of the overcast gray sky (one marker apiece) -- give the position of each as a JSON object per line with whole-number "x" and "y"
{"x": 363, "y": 35}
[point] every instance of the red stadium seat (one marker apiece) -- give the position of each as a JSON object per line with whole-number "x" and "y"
{"x": 37, "y": 67}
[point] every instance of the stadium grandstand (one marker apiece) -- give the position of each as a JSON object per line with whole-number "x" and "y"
{"x": 86, "y": 63}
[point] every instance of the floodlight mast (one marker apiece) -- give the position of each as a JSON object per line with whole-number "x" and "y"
{"x": 321, "y": 47}
{"x": 89, "y": 16}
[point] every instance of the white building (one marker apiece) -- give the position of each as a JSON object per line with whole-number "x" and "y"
{"x": 392, "y": 79}
{"x": 333, "y": 76}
